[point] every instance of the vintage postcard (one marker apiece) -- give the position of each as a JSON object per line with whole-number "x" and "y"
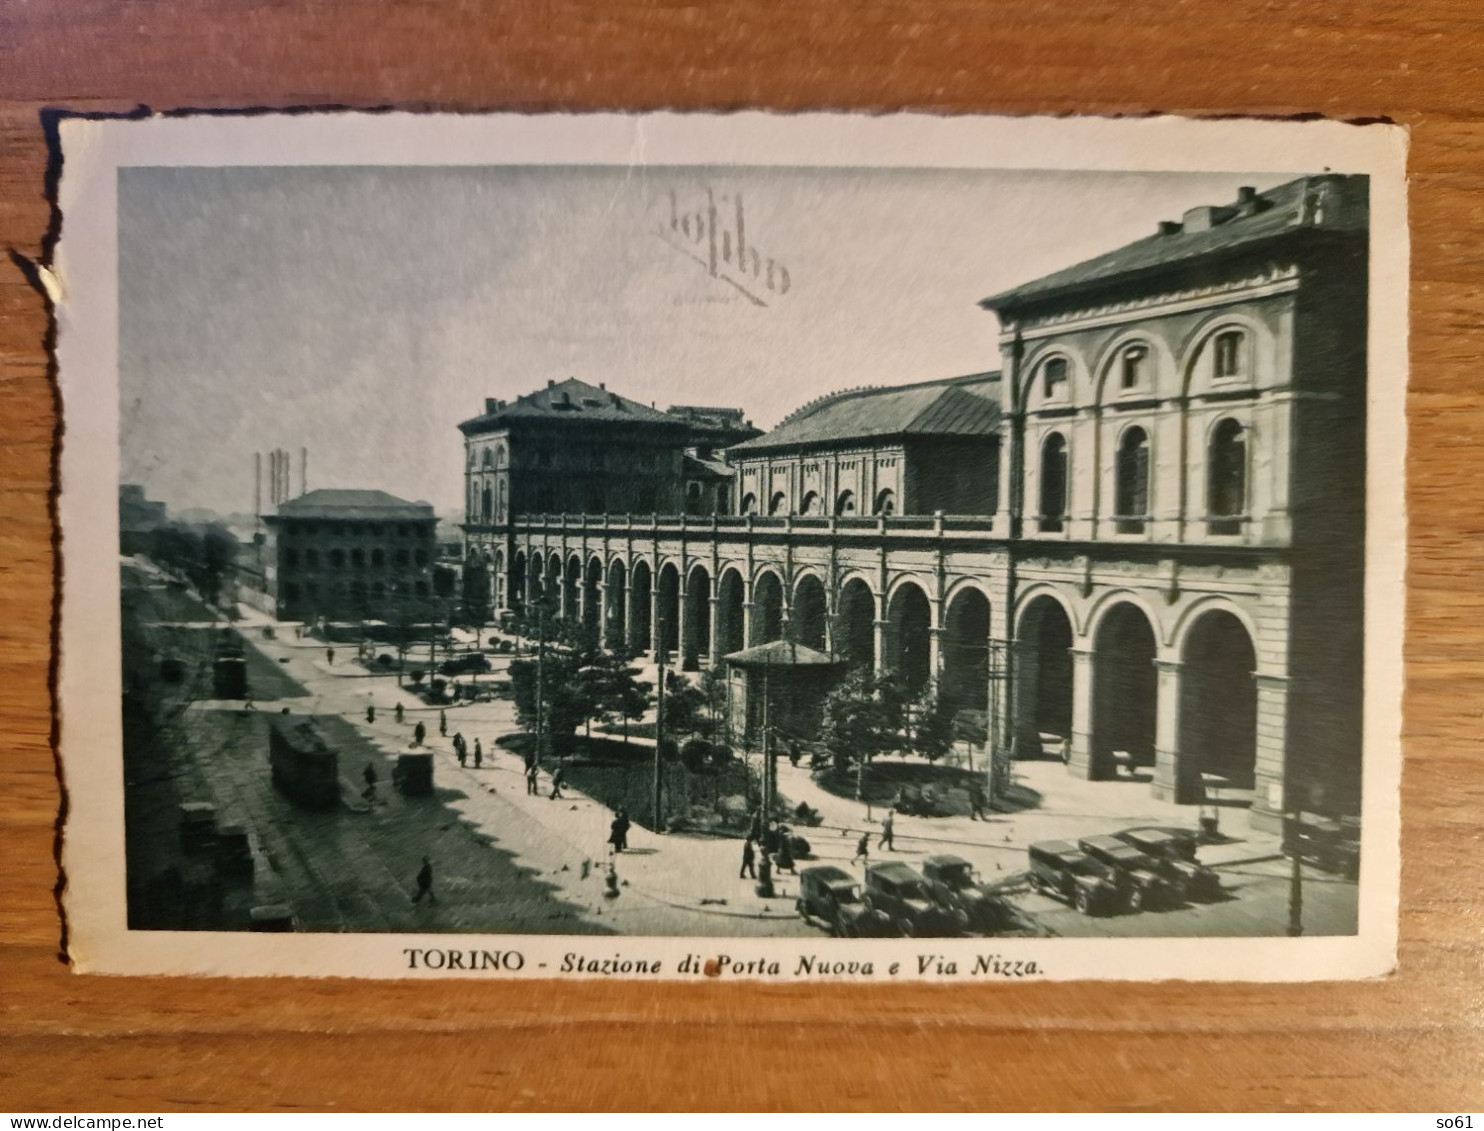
{"x": 749, "y": 546}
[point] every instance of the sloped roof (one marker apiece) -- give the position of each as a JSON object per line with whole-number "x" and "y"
{"x": 781, "y": 654}
{"x": 572, "y": 400}
{"x": 957, "y": 406}
{"x": 337, "y": 502}
{"x": 697, "y": 467}
{"x": 1330, "y": 202}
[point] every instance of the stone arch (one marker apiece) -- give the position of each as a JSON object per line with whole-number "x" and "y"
{"x": 730, "y": 626}
{"x": 855, "y": 622}
{"x": 810, "y": 503}
{"x": 697, "y": 635}
{"x": 1194, "y": 344}
{"x": 1164, "y": 368}
{"x": 1032, "y": 388}
{"x": 615, "y": 611}
{"x": 571, "y": 587}
{"x": 592, "y": 593}
{"x": 515, "y": 585}
{"x": 767, "y": 606}
{"x": 1125, "y": 687}
{"x": 778, "y": 503}
{"x": 885, "y": 502}
{"x": 909, "y": 619}
{"x": 809, "y": 613}
{"x": 641, "y": 587}
{"x": 966, "y": 648}
{"x": 1105, "y": 602}
{"x": 667, "y": 605}
{"x": 845, "y": 503}
{"x": 1218, "y": 702}
{"x": 1043, "y": 674}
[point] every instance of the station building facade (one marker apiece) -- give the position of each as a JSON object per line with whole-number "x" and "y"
{"x": 1138, "y": 544}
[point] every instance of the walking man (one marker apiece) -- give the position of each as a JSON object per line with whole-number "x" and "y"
{"x": 749, "y": 861}
{"x": 977, "y": 802}
{"x": 558, "y": 775}
{"x": 399, "y": 712}
{"x": 419, "y": 733}
{"x": 425, "y": 883}
{"x": 863, "y": 849}
{"x": 330, "y": 656}
{"x": 478, "y": 754}
{"x": 369, "y": 793}
{"x": 622, "y": 828}
{"x": 442, "y": 723}
{"x": 370, "y": 712}
{"x": 887, "y": 838}
{"x": 532, "y": 785}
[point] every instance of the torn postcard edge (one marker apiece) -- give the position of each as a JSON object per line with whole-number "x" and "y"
{"x": 838, "y": 547}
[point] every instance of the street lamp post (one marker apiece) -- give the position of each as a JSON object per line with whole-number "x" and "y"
{"x": 659, "y": 725}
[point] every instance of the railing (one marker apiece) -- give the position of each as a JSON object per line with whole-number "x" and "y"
{"x": 914, "y": 526}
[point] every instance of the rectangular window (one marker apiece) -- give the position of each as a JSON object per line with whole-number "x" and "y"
{"x": 1228, "y": 354}
{"x": 1056, "y": 377}
{"x": 1135, "y": 361}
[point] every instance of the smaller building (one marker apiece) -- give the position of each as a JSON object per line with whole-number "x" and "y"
{"x": 339, "y": 555}
{"x": 139, "y": 518}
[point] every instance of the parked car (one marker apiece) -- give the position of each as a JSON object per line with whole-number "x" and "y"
{"x": 1140, "y": 875}
{"x": 957, "y": 887}
{"x": 1174, "y": 851}
{"x": 1331, "y": 843}
{"x": 833, "y": 896}
{"x": 460, "y": 665}
{"x": 1061, "y": 869}
{"x": 904, "y": 897}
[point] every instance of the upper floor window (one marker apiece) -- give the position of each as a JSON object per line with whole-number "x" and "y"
{"x": 1133, "y": 367}
{"x": 845, "y": 504}
{"x": 485, "y": 504}
{"x": 488, "y": 460}
{"x": 692, "y": 498}
{"x": 291, "y": 557}
{"x": 810, "y": 505}
{"x": 1226, "y": 478}
{"x": 1131, "y": 495}
{"x": 1053, "y": 483}
{"x": 378, "y": 558}
{"x": 1226, "y": 354}
{"x": 749, "y": 504}
{"x": 1054, "y": 378}
{"x": 886, "y": 502}
{"x": 337, "y": 559}
{"x": 358, "y": 557}
{"x": 311, "y": 558}
{"x": 778, "y": 504}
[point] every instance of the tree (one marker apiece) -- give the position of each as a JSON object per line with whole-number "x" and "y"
{"x": 930, "y": 726}
{"x": 860, "y": 719}
{"x": 616, "y": 691}
{"x": 685, "y": 706}
{"x": 713, "y": 686}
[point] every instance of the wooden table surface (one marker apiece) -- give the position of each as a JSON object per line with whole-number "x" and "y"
{"x": 1412, "y": 1041}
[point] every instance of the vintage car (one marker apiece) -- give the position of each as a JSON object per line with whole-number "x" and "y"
{"x": 1331, "y": 843}
{"x": 833, "y": 896}
{"x": 904, "y": 897}
{"x": 462, "y": 665}
{"x": 1144, "y": 882}
{"x": 957, "y": 887}
{"x": 1061, "y": 869}
{"x": 1174, "y": 851}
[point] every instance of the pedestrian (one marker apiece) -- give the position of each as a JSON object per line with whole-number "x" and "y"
{"x": 862, "y": 849}
{"x": 977, "y": 802}
{"x": 419, "y": 733}
{"x": 558, "y": 775}
{"x": 615, "y": 835}
{"x": 442, "y": 723}
{"x": 478, "y": 754}
{"x": 330, "y": 656}
{"x": 248, "y": 705}
{"x": 425, "y": 883}
{"x": 399, "y": 712}
{"x": 462, "y": 756}
{"x": 532, "y": 784}
{"x": 749, "y": 861}
{"x": 371, "y": 776}
{"x": 755, "y": 830}
{"x": 370, "y": 712}
{"x": 623, "y": 830}
{"x": 887, "y": 839}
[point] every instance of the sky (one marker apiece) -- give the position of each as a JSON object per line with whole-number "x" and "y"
{"x": 363, "y": 312}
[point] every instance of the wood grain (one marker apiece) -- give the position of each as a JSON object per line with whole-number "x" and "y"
{"x": 1412, "y": 1041}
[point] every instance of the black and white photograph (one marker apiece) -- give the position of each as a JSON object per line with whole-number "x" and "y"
{"x": 732, "y": 546}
